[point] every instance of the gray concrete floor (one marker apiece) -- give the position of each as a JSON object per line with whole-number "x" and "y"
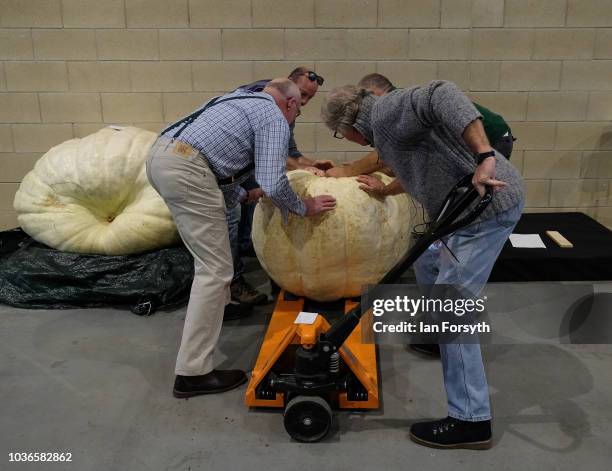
{"x": 97, "y": 383}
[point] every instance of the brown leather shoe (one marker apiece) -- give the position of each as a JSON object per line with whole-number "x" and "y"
{"x": 244, "y": 293}
{"x": 211, "y": 383}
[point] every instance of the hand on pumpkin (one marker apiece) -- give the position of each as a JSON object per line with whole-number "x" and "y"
{"x": 371, "y": 185}
{"x": 484, "y": 175}
{"x": 336, "y": 172}
{"x": 319, "y": 204}
{"x": 315, "y": 171}
{"x": 254, "y": 195}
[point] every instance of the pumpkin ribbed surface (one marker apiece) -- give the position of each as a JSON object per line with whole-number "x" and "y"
{"x": 333, "y": 255}
{"x": 91, "y": 195}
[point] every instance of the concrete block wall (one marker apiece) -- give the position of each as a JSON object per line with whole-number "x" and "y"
{"x": 70, "y": 67}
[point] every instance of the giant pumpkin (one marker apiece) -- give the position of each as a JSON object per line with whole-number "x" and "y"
{"x": 333, "y": 255}
{"x": 92, "y": 195}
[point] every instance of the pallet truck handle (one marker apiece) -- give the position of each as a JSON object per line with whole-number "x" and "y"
{"x": 461, "y": 196}
{"x": 446, "y": 223}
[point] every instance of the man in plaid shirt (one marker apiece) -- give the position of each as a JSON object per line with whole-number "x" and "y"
{"x": 197, "y": 165}
{"x": 240, "y": 217}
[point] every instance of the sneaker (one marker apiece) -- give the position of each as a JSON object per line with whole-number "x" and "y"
{"x": 234, "y": 311}
{"x": 452, "y": 433}
{"x": 244, "y": 293}
{"x": 429, "y": 349}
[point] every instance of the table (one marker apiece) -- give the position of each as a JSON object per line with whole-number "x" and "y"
{"x": 589, "y": 260}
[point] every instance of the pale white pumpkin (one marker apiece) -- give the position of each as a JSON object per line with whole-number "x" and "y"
{"x": 92, "y": 195}
{"x": 333, "y": 255}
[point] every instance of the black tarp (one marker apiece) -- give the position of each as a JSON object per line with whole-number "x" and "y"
{"x": 35, "y": 276}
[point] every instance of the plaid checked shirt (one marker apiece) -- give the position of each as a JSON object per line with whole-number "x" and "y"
{"x": 258, "y": 87}
{"x": 233, "y": 134}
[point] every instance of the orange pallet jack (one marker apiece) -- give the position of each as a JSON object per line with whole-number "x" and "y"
{"x": 306, "y": 364}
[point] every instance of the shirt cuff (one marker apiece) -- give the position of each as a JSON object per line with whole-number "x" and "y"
{"x": 284, "y": 215}
{"x": 300, "y": 210}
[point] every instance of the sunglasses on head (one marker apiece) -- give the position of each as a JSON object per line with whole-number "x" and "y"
{"x": 314, "y": 77}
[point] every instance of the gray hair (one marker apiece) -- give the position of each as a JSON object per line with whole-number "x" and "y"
{"x": 286, "y": 88}
{"x": 340, "y": 107}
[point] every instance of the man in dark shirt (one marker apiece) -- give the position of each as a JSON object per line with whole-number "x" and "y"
{"x": 308, "y": 82}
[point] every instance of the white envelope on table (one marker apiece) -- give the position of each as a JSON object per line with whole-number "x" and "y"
{"x": 527, "y": 241}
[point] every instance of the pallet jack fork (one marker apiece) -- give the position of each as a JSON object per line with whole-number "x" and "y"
{"x": 306, "y": 368}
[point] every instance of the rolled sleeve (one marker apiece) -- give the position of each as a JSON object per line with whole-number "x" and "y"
{"x": 270, "y": 160}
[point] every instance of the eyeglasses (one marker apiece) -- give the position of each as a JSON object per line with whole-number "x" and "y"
{"x": 338, "y": 135}
{"x": 313, "y": 77}
{"x": 298, "y": 107}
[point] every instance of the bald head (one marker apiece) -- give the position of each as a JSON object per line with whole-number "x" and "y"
{"x": 287, "y": 96}
{"x": 284, "y": 86}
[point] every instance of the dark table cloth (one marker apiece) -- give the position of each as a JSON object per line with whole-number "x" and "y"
{"x": 589, "y": 260}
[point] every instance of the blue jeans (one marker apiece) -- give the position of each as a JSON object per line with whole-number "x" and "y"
{"x": 233, "y": 222}
{"x": 244, "y": 229}
{"x": 476, "y": 247}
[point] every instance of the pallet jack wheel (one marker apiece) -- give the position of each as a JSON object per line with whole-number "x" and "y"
{"x": 308, "y": 419}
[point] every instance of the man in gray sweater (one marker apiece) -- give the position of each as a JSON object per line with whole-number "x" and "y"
{"x": 431, "y": 137}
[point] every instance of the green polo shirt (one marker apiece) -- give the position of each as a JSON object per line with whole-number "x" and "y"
{"x": 494, "y": 125}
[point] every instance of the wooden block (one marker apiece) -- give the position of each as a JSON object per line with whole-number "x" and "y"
{"x": 559, "y": 239}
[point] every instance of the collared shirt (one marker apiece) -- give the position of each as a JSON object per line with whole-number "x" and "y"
{"x": 233, "y": 134}
{"x": 258, "y": 86}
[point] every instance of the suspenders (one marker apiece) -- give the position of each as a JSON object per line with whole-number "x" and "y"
{"x": 187, "y": 120}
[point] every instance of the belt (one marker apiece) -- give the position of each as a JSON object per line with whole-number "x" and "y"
{"x": 236, "y": 176}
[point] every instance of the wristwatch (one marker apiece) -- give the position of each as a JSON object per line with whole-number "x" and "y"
{"x": 483, "y": 155}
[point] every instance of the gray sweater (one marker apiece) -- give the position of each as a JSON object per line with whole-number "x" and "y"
{"x": 418, "y": 133}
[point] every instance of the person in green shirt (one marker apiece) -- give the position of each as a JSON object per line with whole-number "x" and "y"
{"x": 497, "y": 130}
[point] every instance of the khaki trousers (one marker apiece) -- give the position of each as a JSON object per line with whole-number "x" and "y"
{"x": 183, "y": 179}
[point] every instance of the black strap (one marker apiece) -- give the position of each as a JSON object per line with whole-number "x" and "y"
{"x": 193, "y": 116}
{"x": 236, "y": 176}
{"x": 484, "y": 155}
